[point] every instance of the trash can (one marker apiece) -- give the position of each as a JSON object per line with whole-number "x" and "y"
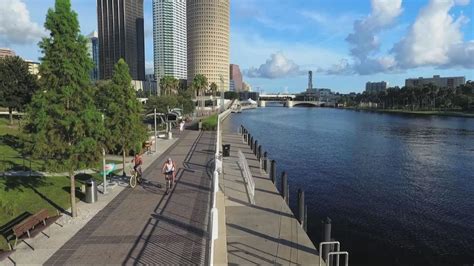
{"x": 226, "y": 150}
{"x": 91, "y": 191}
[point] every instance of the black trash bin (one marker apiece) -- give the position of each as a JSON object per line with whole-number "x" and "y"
{"x": 91, "y": 191}
{"x": 226, "y": 150}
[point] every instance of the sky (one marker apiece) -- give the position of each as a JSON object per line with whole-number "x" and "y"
{"x": 346, "y": 43}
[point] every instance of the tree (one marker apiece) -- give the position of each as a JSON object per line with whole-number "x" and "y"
{"x": 169, "y": 85}
{"x": 17, "y": 85}
{"x": 213, "y": 88}
{"x": 124, "y": 127}
{"x": 199, "y": 84}
{"x": 63, "y": 122}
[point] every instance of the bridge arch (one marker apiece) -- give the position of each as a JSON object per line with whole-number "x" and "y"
{"x": 305, "y": 104}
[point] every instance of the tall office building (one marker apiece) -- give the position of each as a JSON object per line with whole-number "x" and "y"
{"x": 121, "y": 35}
{"x": 93, "y": 47}
{"x": 376, "y": 87}
{"x": 208, "y": 23}
{"x": 4, "y": 52}
{"x": 310, "y": 80}
{"x": 236, "y": 82}
{"x": 169, "y": 38}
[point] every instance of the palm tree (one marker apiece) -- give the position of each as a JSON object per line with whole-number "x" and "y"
{"x": 199, "y": 84}
{"x": 213, "y": 88}
{"x": 169, "y": 85}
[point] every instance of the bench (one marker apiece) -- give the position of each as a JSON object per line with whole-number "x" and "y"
{"x": 32, "y": 226}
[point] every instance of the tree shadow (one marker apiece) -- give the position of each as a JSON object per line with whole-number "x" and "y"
{"x": 6, "y": 230}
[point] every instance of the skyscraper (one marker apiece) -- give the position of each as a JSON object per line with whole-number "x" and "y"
{"x": 121, "y": 35}
{"x": 4, "y": 52}
{"x": 208, "y": 23}
{"x": 93, "y": 47}
{"x": 310, "y": 80}
{"x": 169, "y": 38}
{"x": 236, "y": 81}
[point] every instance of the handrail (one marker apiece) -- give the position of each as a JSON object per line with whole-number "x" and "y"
{"x": 213, "y": 219}
{"x": 247, "y": 176}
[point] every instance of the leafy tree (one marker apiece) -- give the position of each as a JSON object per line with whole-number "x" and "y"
{"x": 17, "y": 85}
{"x": 125, "y": 130}
{"x": 63, "y": 122}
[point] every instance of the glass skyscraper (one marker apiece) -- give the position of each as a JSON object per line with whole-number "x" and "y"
{"x": 169, "y": 38}
{"x": 121, "y": 35}
{"x": 93, "y": 47}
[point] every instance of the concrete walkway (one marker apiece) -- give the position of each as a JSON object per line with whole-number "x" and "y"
{"x": 55, "y": 236}
{"x": 264, "y": 233}
{"x": 143, "y": 226}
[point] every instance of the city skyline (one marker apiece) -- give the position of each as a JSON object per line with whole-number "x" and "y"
{"x": 275, "y": 52}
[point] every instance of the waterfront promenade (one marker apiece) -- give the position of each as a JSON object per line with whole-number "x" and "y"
{"x": 144, "y": 226}
{"x": 266, "y": 232}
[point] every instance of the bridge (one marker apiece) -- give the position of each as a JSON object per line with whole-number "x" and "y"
{"x": 289, "y": 100}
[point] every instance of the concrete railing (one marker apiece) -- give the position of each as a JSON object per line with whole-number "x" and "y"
{"x": 215, "y": 185}
{"x": 247, "y": 176}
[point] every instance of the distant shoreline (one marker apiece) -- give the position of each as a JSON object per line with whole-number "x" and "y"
{"x": 421, "y": 113}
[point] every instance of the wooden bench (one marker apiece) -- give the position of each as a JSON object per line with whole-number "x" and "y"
{"x": 32, "y": 226}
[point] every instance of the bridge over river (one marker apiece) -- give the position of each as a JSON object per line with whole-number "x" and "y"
{"x": 290, "y": 100}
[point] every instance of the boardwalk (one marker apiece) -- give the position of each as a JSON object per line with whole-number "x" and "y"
{"x": 264, "y": 233}
{"x": 143, "y": 226}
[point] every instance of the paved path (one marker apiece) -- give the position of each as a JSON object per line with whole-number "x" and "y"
{"x": 143, "y": 226}
{"x": 264, "y": 233}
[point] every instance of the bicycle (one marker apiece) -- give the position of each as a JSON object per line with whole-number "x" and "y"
{"x": 135, "y": 177}
{"x": 169, "y": 181}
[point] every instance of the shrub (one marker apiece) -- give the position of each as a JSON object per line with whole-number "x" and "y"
{"x": 210, "y": 123}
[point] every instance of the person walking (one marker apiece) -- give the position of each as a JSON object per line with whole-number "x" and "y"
{"x": 181, "y": 126}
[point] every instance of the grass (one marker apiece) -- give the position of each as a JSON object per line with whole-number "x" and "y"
{"x": 210, "y": 123}
{"x": 20, "y": 195}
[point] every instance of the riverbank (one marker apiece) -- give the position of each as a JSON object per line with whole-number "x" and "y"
{"x": 400, "y": 111}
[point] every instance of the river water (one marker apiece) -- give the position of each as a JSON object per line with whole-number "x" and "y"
{"x": 398, "y": 188}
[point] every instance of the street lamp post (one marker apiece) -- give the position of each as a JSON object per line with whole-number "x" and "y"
{"x": 103, "y": 162}
{"x": 222, "y": 92}
{"x": 156, "y": 136}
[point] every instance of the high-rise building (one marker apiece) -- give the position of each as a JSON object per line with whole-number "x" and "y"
{"x": 93, "y": 47}
{"x": 4, "y": 52}
{"x": 376, "y": 87}
{"x": 33, "y": 67}
{"x": 310, "y": 80}
{"x": 121, "y": 35}
{"x": 169, "y": 38}
{"x": 236, "y": 81}
{"x": 440, "y": 82}
{"x": 208, "y": 23}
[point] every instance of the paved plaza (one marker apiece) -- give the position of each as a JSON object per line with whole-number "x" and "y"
{"x": 144, "y": 226}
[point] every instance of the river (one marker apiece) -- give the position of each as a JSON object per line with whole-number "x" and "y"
{"x": 398, "y": 188}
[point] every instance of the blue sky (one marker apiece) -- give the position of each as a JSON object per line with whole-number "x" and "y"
{"x": 344, "y": 42}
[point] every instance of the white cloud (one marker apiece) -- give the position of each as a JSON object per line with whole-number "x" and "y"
{"x": 15, "y": 24}
{"x": 277, "y": 66}
{"x": 436, "y": 39}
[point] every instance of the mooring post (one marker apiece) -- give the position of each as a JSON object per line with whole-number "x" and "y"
{"x": 301, "y": 207}
{"x": 272, "y": 170}
{"x": 305, "y": 224}
{"x": 326, "y": 236}
{"x": 265, "y": 160}
{"x": 259, "y": 155}
{"x": 251, "y": 142}
{"x": 255, "y": 148}
{"x": 284, "y": 187}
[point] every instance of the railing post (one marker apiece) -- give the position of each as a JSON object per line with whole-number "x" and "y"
{"x": 326, "y": 224}
{"x": 265, "y": 162}
{"x": 259, "y": 154}
{"x": 250, "y": 140}
{"x": 284, "y": 187}
{"x": 272, "y": 170}
{"x": 301, "y": 207}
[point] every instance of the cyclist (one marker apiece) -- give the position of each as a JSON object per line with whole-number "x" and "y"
{"x": 138, "y": 162}
{"x": 169, "y": 169}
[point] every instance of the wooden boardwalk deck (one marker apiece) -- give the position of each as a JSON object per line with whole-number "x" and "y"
{"x": 264, "y": 233}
